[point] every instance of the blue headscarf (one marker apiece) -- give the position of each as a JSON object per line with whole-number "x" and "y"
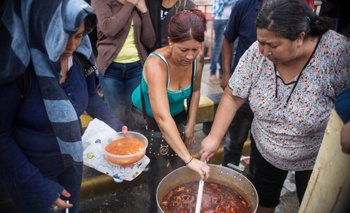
{"x": 38, "y": 31}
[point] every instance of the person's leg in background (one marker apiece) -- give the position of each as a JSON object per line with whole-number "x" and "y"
{"x": 239, "y": 131}
{"x": 112, "y": 84}
{"x": 219, "y": 27}
{"x": 132, "y": 80}
{"x": 117, "y": 84}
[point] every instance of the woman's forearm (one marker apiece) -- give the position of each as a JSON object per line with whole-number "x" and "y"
{"x": 111, "y": 24}
{"x": 171, "y": 134}
{"x": 223, "y": 117}
{"x": 193, "y": 108}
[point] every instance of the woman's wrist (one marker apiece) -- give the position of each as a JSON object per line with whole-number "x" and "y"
{"x": 141, "y": 7}
{"x": 190, "y": 127}
{"x": 189, "y": 161}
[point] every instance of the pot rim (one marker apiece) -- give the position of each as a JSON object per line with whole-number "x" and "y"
{"x": 251, "y": 196}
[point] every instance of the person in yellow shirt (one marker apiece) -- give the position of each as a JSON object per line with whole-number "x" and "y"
{"x": 124, "y": 32}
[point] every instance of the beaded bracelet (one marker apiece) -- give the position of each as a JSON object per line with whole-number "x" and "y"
{"x": 189, "y": 160}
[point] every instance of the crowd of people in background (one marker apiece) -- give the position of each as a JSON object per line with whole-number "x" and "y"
{"x": 122, "y": 43}
{"x": 221, "y": 12}
{"x": 282, "y": 68}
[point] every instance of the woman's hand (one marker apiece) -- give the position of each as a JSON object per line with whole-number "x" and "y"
{"x": 124, "y": 129}
{"x": 189, "y": 141}
{"x": 189, "y": 136}
{"x": 141, "y": 6}
{"x": 345, "y": 138}
{"x": 208, "y": 147}
{"x": 200, "y": 167}
{"x": 61, "y": 204}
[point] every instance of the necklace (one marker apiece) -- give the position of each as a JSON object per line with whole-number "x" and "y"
{"x": 294, "y": 86}
{"x": 298, "y": 77}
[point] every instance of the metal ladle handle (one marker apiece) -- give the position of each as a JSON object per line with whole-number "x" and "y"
{"x": 199, "y": 196}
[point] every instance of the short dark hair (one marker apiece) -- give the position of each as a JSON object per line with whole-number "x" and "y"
{"x": 186, "y": 25}
{"x": 288, "y": 18}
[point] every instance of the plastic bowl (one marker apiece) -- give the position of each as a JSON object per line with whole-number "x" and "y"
{"x": 128, "y": 157}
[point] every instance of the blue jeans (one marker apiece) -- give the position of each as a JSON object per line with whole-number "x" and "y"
{"x": 219, "y": 27}
{"x": 118, "y": 83}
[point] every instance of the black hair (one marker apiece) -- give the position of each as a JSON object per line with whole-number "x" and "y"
{"x": 288, "y": 18}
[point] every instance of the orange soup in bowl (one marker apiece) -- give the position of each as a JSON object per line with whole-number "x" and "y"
{"x": 125, "y": 146}
{"x": 125, "y": 150}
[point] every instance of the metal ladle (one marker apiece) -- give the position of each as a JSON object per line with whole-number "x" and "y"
{"x": 199, "y": 196}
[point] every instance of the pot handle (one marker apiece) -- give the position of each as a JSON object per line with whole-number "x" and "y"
{"x": 236, "y": 168}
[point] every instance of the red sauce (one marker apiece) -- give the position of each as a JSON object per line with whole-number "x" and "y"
{"x": 217, "y": 198}
{"x": 125, "y": 146}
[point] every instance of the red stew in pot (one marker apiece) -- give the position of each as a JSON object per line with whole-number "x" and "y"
{"x": 217, "y": 198}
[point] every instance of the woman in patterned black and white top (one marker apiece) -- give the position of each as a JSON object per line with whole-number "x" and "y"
{"x": 291, "y": 76}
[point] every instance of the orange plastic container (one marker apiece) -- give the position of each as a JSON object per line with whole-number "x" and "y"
{"x": 125, "y": 148}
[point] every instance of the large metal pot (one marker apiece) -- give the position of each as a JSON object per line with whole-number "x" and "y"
{"x": 218, "y": 174}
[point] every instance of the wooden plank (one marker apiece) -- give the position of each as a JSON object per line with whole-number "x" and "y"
{"x": 329, "y": 186}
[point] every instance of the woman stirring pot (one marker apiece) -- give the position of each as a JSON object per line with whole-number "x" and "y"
{"x": 172, "y": 74}
{"x": 291, "y": 76}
